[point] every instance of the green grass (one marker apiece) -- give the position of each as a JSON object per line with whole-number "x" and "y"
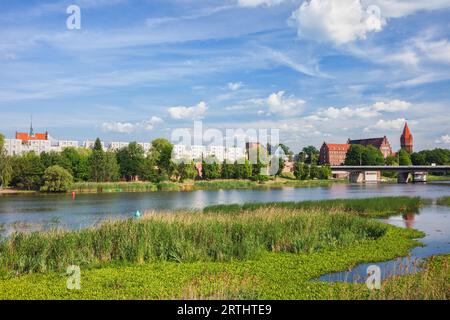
{"x": 445, "y": 201}
{"x": 373, "y": 207}
{"x": 438, "y": 178}
{"x": 94, "y": 187}
{"x": 272, "y": 276}
{"x": 187, "y": 237}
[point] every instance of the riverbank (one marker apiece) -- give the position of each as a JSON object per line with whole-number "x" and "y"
{"x": 213, "y": 254}
{"x": 109, "y": 187}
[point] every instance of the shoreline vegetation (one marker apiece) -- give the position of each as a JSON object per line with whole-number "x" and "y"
{"x": 188, "y": 185}
{"x": 250, "y": 251}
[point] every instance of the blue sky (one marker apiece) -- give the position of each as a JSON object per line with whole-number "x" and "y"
{"x": 319, "y": 70}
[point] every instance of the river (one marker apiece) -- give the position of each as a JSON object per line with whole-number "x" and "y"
{"x": 30, "y": 212}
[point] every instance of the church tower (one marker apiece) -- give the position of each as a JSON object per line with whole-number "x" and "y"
{"x": 406, "y": 140}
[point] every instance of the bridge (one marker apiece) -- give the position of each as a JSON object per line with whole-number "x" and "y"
{"x": 406, "y": 174}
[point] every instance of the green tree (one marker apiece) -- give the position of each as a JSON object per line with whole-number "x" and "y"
{"x": 404, "y": 158}
{"x": 112, "y": 169}
{"x": 56, "y": 179}
{"x": 312, "y": 154}
{"x": 391, "y": 161}
{"x": 228, "y": 170}
{"x": 131, "y": 161}
{"x": 186, "y": 171}
{"x": 281, "y": 165}
{"x": 162, "y": 150}
{"x": 211, "y": 169}
{"x": 5, "y": 165}
{"x": 355, "y": 155}
{"x": 78, "y": 160}
{"x": 298, "y": 170}
{"x": 27, "y": 171}
{"x": 419, "y": 159}
{"x": 314, "y": 171}
{"x": 372, "y": 156}
{"x": 324, "y": 173}
{"x": 97, "y": 162}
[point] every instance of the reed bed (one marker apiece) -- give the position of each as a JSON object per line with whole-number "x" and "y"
{"x": 445, "y": 201}
{"x": 373, "y": 207}
{"x": 188, "y": 237}
{"x": 94, "y": 187}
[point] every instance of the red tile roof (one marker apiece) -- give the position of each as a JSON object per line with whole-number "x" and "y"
{"x": 337, "y": 146}
{"x": 26, "y": 137}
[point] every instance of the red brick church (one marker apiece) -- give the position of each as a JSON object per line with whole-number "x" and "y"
{"x": 335, "y": 154}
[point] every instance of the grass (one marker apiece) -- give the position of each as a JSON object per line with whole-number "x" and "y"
{"x": 94, "y": 187}
{"x": 187, "y": 237}
{"x": 373, "y": 207}
{"x": 272, "y": 276}
{"x": 445, "y": 201}
{"x": 438, "y": 178}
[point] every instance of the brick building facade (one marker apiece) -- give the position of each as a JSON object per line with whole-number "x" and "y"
{"x": 333, "y": 154}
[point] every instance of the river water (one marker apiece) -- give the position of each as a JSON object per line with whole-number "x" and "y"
{"x": 43, "y": 212}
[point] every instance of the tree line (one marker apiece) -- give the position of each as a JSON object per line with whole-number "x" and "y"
{"x": 56, "y": 171}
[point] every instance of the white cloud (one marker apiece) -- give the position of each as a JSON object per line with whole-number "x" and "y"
{"x": 338, "y": 21}
{"x": 278, "y": 104}
{"x": 371, "y": 111}
{"x": 392, "y": 106}
{"x": 437, "y": 50}
{"x": 128, "y": 127}
{"x": 389, "y": 125}
{"x": 182, "y": 112}
{"x": 118, "y": 127}
{"x": 443, "y": 139}
{"x": 401, "y": 8}
{"x": 256, "y": 3}
{"x": 234, "y": 86}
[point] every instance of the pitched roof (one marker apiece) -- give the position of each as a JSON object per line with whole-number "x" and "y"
{"x": 376, "y": 142}
{"x": 26, "y": 137}
{"x": 337, "y": 146}
{"x": 406, "y": 133}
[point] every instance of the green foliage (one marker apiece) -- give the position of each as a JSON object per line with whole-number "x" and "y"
{"x": 281, "y": 165}
{"x": 161, "y": 157}
{"x": 373, "y": 207}
{"x": 27, "y": 171}
{"x": 428, "y": 157}
{"x": 186, "y": 171}
{"x": 445, "y": 201}
{"x": 391, "y": 161}
{"x": 5, "y": 165}
{"x": 404, "y": 158}
{"x": 324, "y": 173}
{"x": 228, "y": 170}
{"x": 97, "y": 162}
{"x": 188, "y": 237}
{"x": 56, "y": 179}
{"x": 211, "y": 169}
{"x": 78, "y": 160}
{"x": 311, "y": 155}
{"x": 365, "y": 156}
{"x": 131, "y": 160}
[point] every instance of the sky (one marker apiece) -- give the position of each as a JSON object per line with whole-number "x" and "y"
{"x": 317, "y": 70}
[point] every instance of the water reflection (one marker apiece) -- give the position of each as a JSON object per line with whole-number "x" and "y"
{"x": 409, "y": 220}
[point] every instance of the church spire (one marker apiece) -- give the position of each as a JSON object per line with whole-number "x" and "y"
{"x": 31, "y": 127}
{"x": 406, "y": 140}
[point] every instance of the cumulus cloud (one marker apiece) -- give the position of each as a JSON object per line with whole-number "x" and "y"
{"x": 234, "y": 86}
{"x": 118, "y": 127}
{"x": 256, "y": 3}
{"x": 388, "y": 125}
{"x": 371, "y": 111}
{"x": 443, "y": 139}
{"x": 193, "y": 112}
{"x": 129, "y": 127}
{"x": 278, "y": 104}
{"x": 392, "y": 106}
{"x": 337, "y": 21}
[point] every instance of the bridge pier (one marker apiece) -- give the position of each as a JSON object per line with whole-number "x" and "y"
{"x": 420, "y": 176}
{"x": 364, "y": 176}
{"x": 405, "y": 177}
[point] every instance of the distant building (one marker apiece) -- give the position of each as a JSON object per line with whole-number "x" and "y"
{"x": 333, "y": 154}
{"x": 381, "y": 144}
{"x": 406, "y": 140}
{"x": 199, "y": 152}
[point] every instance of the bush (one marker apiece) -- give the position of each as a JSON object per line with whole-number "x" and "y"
{"x": 57, "y": 179}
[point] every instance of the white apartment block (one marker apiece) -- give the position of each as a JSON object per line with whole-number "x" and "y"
{"x": 198, "y": 152}
{"x": 115, "y": 146}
